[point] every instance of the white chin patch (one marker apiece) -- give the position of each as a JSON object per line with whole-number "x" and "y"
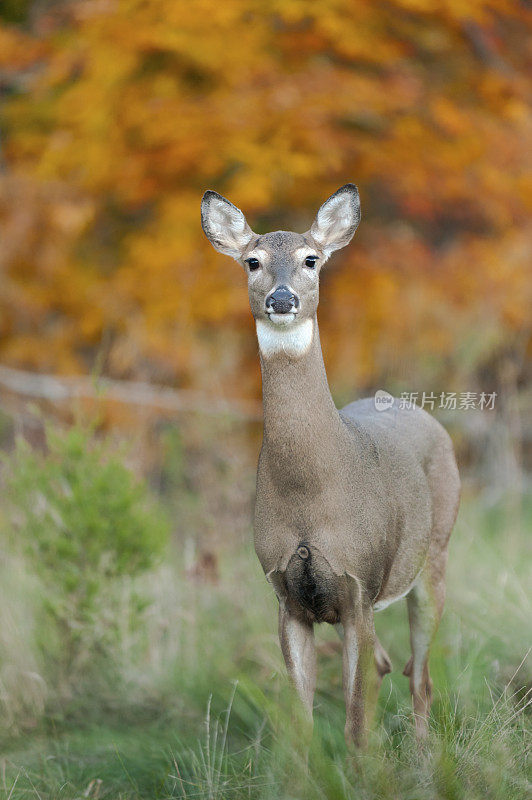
{"x": 292, "y": 339}
{"x": 282, "y": 319}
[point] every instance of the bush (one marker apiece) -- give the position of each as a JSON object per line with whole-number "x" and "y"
{"x": 85, "y": 526}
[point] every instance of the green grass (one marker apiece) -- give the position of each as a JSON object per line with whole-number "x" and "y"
{"x": 200, "y": 707}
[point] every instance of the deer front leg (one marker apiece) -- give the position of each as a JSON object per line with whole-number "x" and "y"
{"x": 359, "y": 675}
{"x": 299, "y": 651}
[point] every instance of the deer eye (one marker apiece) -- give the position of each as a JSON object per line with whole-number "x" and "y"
{"x": 310, "y": 261}
{"x": 253, "y": 264}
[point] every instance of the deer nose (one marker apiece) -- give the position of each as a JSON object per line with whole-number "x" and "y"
{"x": 282, "y": 301}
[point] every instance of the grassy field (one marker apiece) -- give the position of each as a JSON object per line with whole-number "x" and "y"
{"x": 190, "y": 700}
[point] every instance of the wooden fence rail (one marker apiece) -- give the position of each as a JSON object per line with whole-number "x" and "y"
{"x": 58, "y": 390}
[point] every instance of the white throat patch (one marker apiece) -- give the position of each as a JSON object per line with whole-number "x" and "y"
{"x": 293, "y": 339}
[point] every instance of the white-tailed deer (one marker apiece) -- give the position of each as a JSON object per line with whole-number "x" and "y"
{"x": 355, "y": 507}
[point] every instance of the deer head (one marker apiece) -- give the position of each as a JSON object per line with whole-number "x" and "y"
{"x": 283, "y": 267}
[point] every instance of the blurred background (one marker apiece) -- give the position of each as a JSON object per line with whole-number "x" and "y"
{"x": 128, "y": 363}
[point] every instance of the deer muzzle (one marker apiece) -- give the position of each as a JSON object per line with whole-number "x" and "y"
{"x": 282, "y": 301}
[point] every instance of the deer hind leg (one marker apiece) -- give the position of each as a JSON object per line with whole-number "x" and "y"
{"x": 382, "y": 661}
{"x": 425, "y": 605}
{"x": 425, "y": 601}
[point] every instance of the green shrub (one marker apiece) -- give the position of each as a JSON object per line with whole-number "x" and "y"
{"x": 85, "y": 526}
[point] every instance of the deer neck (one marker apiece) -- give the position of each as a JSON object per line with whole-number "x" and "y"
{"x": 301, "y": 422}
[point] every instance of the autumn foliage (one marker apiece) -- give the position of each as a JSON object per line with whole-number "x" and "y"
{"x": 119, "y": 113}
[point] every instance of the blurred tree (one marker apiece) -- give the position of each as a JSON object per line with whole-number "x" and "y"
{"x": 119, "y": 113}
{"x": 82, "y": 520}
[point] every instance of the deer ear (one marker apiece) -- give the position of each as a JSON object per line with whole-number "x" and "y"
{"x": 337, "y": 219}
{"x": 224, "y": 225}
